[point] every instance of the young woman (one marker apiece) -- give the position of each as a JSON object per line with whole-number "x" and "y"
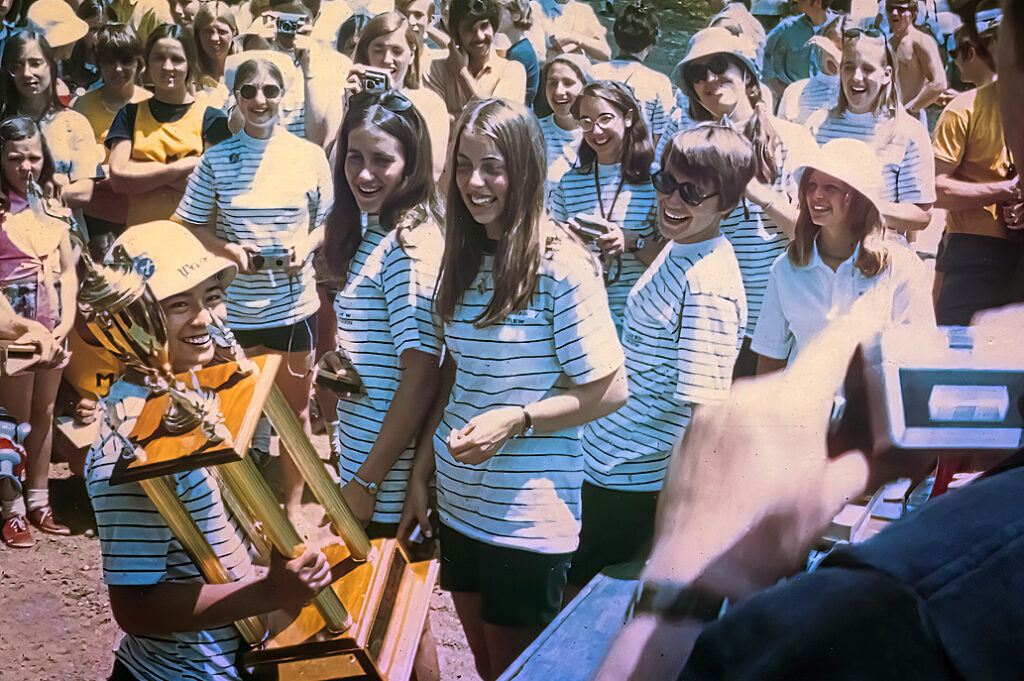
{"x": 388, "y": 41}
{"x": 214, "y": 30}
{"x": 269, "y": 222}
{"x": 720, "y": 80}
{"x": 563, "y": 78}
{"x": 683, "y": 326}
{"x": 28, "y": 87}
{"x": 38, "y": 286}
{"x": 384, "y": 325}
{"x": 533, "y": 355}
{"x": 81, "y": 72}
{"x": 611, "y": 184}
{"x": 839, "y": 252}
{"x": 870, "y": 110}
{"x": 119, "y": 56}
{"x": 155, "y": 145}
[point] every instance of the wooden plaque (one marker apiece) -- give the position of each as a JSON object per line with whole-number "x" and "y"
{"x": 241, "y": 403}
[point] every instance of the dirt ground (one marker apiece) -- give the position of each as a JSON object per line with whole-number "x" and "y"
{"x": 56, "y": 623}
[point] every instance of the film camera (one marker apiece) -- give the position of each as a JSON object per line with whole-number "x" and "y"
{"x": 289, "y": 24}
{"x": 375, "y": 80}
{"x": 272, "y": 258}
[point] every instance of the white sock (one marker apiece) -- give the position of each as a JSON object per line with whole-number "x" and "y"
{"x": 37, "y": 498}
{"x": 13, "y": 507}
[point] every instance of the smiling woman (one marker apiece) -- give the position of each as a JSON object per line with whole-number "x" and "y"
{"x": 269, "y": 223}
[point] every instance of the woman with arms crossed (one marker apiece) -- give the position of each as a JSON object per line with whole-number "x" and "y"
{"x": 533, "y": 355}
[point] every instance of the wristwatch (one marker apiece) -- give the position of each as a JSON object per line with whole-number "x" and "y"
{"x": 527, "y": 424}
{"x": 640, "y": 243}
{"x": 677, "y": 601}
{"x": 370, "y": 487}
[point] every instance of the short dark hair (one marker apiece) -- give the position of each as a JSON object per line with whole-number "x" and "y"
{"x": 184, "y": 37}
{"x": 24, "y": 128}
{"x": 118, "y": 43}
{"x": 636, "y": 27}
{"x": 473, "y": 11}
{"x": 716, "y": 155}
{"x": 312, "y": 5}
{"x": 350, "y": 29}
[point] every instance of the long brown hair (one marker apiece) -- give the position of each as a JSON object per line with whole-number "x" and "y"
{"x": 514, "y": 130}
{"x": 343, "y": 227}
{"x": 866, "y": 222}
{"x": 759, "y": 129}
{"x": 637, "y": 150}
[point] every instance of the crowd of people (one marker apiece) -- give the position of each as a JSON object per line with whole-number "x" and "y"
{"x": 538, "y": 256}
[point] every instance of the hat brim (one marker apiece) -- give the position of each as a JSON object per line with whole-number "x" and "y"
{"x": 222, "y": 268}
{"x": 699, "y": 53}
{"x": 837, "y": 170}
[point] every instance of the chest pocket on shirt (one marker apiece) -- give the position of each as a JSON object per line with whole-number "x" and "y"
{"x": 653, "y": 331}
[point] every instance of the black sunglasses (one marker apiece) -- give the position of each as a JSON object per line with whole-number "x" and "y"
{"x": 690, "y": 193}
{"x": 269, "y": 91}
{"x": 392, "y": 100}
{"x": 696, "y": 72}
{"x": 968, "y": 12}
{"x": 857, "y": 32}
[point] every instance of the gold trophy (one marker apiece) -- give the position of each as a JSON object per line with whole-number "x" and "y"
{"x": 206, "y": 418}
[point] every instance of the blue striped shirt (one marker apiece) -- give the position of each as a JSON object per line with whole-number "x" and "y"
{"x": 138, "y": 549}
{"x": 528, "y": 495}
{"x": 804, "y": 97}
{"x": 633, "y": 211}
{"x": 902, "y": 144}
{"x": 685, "y": 320}
{"x": 563, "y": 148}
{"x": 383, "y": 311}
{"x": 264, "y": 193}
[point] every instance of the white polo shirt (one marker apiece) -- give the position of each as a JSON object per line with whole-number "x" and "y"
{"x": 800, "y": 301}
{"x": 527, "y": 496}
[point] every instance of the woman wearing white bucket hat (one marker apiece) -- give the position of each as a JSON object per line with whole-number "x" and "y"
{"x": 719, "y": 76}
{"x": 839, "y": 252}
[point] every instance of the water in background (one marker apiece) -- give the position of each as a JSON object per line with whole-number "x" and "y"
{"x": 678, "y": 20}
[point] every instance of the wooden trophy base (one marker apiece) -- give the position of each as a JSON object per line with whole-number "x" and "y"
{"x": 388, "y": 597}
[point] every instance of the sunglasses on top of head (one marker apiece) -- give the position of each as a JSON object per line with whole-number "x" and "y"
{"x": 697, "y": 72}
{"x": 690, "y": 193}
{"x": 269, "y": 91}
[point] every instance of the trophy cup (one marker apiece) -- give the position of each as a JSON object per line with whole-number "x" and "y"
{"x": 206, "y": 419}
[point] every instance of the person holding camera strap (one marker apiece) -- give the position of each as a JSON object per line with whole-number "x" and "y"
{"x": 614, "y": 162}
{"x": 269, "y": 223}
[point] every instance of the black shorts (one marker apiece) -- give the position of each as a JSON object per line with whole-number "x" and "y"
{"x": 978, "y": 274}
{"x": 618, "y": 527}
{"x": 121, "y": 673}
{"x": 518, "y": 588}
{"x": 298, "y": 337}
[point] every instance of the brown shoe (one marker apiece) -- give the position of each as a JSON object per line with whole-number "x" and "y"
{"x": 15, "y": 532}
{"x": 42, "y": 518}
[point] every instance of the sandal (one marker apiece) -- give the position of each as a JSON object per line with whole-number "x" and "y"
{"x": 15, "y": 532}
{"x": 42, "y": 518}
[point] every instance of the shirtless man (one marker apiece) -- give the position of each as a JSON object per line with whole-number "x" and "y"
{"x": 921, "y": 76}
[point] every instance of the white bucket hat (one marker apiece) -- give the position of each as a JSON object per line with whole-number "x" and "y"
{"x": 715, "y": 40}
{"x": 852, "y": 161}
{"x": 171, "y": 258}
{"x": 57, "y": 22}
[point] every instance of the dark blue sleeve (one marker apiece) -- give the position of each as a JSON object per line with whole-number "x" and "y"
{"x": 123, "y": 126}
{"x": 215, "y": 127}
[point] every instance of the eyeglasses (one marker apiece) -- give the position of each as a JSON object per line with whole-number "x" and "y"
{"x": 603, "y": 121}
{"x": 690, "y": 193}
{"x": 696, "y": 72}
{"x": 392, "y": 100}
{"x": 851, "y": 33}
{"x": 269, "y": 91}
{"x": 968, "y": 11}
{"x": 898, "y": 9}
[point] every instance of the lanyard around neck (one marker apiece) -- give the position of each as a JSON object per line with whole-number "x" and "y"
{"x": 600, "y": 200}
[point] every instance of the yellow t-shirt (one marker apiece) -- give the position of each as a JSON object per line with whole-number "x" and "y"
{"x": 91, "y": 370}
{"x": 969, "y": 135}
{"x": 100, "y": 116}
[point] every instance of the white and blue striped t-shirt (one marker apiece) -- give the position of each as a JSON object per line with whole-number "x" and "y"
{"x": 528, "y": 495}
{"x": 804, "y": 97}
{"x": 384, "y": 310}
{"x": 633, "y": 211}
{"x": 685, "y": 321}
{"x": 139, "y": 549}
{"x": 651, "y": 89}
{"x": 902, "y": 144}
{"x": 678, "y": 120}
{"x": 755, "y": 237}
{"x": 563, "y": 148}
{"x": 263, "y": 193}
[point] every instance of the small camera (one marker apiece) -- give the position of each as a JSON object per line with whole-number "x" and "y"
{"x": 345, "y": 383}
{"x": 289, "y": 24}
{"x": 375, "y": 80}
{"x": 586, "y": 229}
{"x": 272, "y": 258}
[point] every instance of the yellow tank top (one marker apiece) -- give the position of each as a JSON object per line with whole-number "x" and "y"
{"x": 163, "y": 143}
{"x": 91, "y": 370}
